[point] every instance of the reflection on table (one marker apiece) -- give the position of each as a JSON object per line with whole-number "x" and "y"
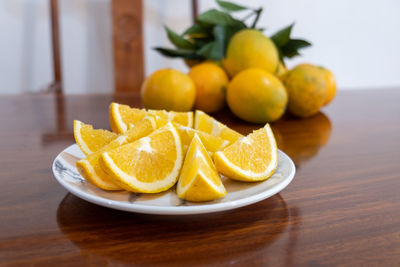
{"x": 302, "y": 139}
{"x": 92, "y": 228}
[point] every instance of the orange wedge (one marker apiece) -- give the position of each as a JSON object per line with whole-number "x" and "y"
{"x": 90, "y": 140}
{"x": 90, "y": 168}
{"x": 149, "y": 165}
{"x": 208, "y": 124}
{"x": 211, "y": 143}
{"x": 199, "y": 180}
{"x": 122, "y": 116}
{"x": 182, "y": 118}
{"x": 250, "y": 158}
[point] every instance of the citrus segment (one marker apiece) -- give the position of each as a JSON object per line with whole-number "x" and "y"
{"x": 183, "y": 118}
{"x": 123, "y": 116}
{"x": 90, "y": 140}
{"x": 199, "y": 180}
{"x": 89, "y": 167}
{"x": 149, "y": 165}
{"x": 211, "y": 143}
{"x": 251, "y": 158}
{"x": 208, "y": 124}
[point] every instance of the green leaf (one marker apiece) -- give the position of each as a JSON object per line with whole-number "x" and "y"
{"x": 216, "y": 17}
{"x": 299, "y": 43}
{"x": 291, "y": 49}
{"x": 174, "y": 53}
{"x": 197, "y": 29}
{"x": 229, "y": 6}
{"x": 286, "y": 46}
{"x": 283, "y": 36}
{"x": 223, "y": 34}
{"x": 200, "y": 42}
{"x": 205, "y": 50}
{"x": 220, "y": 34}
{"x": 215, "y": 49}
{"x": 178, "y": 40}
{"x": 210, "y": 51}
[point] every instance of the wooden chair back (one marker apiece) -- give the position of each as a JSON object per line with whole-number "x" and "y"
{"x": 127, "y": 27}
{"x": 127, "y": 44}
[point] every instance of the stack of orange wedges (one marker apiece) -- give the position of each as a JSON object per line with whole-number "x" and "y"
{"x": 150, "y": 151}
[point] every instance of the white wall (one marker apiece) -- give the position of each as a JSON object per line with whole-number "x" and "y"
{"x": 24, "y": 46}
{"x": 359, "y": 40}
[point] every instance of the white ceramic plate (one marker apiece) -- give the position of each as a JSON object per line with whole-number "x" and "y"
{"x": 239, "y": 194}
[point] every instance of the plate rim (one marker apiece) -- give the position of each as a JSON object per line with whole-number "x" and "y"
{"x": 174, "y": 210}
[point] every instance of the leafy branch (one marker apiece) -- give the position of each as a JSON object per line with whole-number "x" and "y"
{"x": 286, "y": 46}
{"x": 208, "y": 38}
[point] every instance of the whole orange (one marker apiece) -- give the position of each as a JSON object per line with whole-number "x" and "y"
{"x": 257, "y": 96}
{"x": 329, "y": 80}
{"x": 250, "y": 48}
{"x": 168, "y": 89}
{"x": 307, "y": 89}
{"x": 330, "y": 85}
{"x": 211, "y": 82}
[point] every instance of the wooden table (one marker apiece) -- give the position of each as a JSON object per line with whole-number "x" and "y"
{"x": 342, "y": 208}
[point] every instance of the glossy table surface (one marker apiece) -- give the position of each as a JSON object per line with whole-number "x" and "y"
{"x": 342, "y": 208}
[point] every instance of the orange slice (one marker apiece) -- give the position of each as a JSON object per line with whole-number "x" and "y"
{"x": 90, "y": 140}
{"x": 208, "y": 124}
{"x": 149, "y": 165}
{"x": 250, "y": 158}
{"x": 90, "y": 168}
{"x": 199, "y": 180}
{"x": 182, "y": 118}
{"x": 122, "y": 116}
{"x": 211, "y": 143}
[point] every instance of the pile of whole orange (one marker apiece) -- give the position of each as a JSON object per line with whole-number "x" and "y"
{"x": 251, "y": 79}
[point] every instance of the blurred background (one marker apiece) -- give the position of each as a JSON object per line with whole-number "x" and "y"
{"x": 358, "y": 40}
